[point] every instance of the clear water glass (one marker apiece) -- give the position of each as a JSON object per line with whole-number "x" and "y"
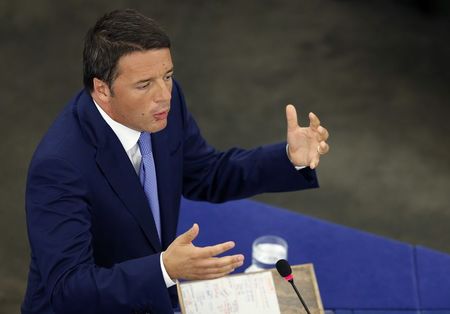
{"x": 266, "y": 251}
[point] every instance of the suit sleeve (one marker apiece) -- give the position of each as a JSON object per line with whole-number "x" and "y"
{"x": 215, "y": 176}
{"x": 59, "y": 223}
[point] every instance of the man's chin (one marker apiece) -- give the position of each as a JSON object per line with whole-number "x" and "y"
{"x": 158, "y": 126}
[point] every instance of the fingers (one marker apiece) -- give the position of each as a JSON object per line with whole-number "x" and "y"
{"x": 210, "y": 251}
{"x": 218, "y": 265}
{"x": 291, "y": 117}
{"x": 323, "y": 148}
{"x": 314, "y": 163}
{"x": 314, "y": 121}
{"x": 189, "y": 235}
{"x": 323, "y": 133}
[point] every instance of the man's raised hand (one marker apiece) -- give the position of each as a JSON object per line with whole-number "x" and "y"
{"x": 305, "y": 144}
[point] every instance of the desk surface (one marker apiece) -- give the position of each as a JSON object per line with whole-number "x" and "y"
{"x": 355, "y": 270}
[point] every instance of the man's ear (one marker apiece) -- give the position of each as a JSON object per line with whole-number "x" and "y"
{"x": 101, "y": 90}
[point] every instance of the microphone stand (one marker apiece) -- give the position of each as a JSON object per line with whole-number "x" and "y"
{"x": 299, "y": 296}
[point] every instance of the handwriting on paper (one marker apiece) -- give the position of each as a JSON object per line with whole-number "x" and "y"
{"x": 250, "y": 293}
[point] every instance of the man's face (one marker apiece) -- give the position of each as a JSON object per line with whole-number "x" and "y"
{"x": 140, "y": 94}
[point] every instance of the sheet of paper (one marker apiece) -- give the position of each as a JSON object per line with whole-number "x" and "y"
{"x": 252, "y": 293}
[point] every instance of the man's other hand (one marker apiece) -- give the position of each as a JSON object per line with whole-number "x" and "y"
{"x": 305, "y": 144}
{"x": 183, "y": 260}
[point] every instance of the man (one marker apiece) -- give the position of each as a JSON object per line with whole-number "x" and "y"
{"x": 104, "y": 184}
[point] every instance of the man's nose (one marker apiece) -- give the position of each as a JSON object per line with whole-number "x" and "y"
{"x": 164, "y": 92}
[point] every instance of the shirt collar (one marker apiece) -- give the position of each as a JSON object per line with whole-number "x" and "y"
{"x": 127, "y": 137}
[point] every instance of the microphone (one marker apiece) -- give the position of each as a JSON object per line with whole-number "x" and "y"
{"x": 285, "y": 271}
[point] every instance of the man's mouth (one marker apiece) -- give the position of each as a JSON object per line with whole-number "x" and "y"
{"x": 162, "y": 115}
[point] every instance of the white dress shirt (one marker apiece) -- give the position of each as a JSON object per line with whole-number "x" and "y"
{"x": 129, "y": 140}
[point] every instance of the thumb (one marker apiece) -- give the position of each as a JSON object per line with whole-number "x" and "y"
{"x": 291, "y": 117}
{"x": 190, "y": 235}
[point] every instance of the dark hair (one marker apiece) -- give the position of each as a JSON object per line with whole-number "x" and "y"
{"x": 114, "y": 35}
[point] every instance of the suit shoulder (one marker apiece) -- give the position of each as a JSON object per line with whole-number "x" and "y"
{"x": 64, "y": 139}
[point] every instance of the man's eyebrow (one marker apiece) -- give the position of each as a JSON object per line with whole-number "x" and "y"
{"x": 152, "y": 78}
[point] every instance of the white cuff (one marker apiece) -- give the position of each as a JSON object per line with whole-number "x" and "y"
{"x": 167, "y": 279}
{"x": 296, "y": 167}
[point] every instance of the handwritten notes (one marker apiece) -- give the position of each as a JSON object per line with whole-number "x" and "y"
{"x": 252, "y": 293}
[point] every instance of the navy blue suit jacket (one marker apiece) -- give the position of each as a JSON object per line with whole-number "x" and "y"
{"x": 94, "y": 245}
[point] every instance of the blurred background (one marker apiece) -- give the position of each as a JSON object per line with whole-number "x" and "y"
{"x": 377, "y": 73}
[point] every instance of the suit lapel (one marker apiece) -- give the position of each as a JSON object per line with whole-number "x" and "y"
{"x": 122, "y": 177}
{"x": 161, "y": 155}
